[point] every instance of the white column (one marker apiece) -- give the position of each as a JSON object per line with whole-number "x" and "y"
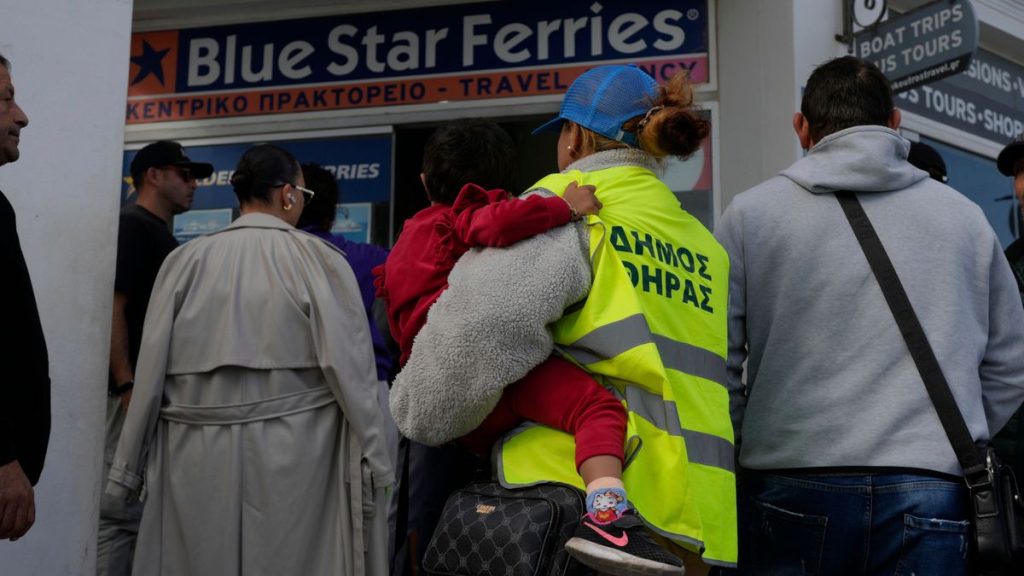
{"x": 70, "y": 69}
{"x": 766, "y": 51}
{"x": 815, "y": 26}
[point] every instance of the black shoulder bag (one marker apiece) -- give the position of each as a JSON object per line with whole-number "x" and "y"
{"x": 995, "y": 503}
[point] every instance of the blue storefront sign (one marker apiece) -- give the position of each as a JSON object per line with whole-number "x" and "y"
{"x": 464, "y": 51}
{"x": 362, "y": 166}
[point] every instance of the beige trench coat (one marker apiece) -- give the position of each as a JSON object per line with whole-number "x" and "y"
{"x": 255, "y": 417}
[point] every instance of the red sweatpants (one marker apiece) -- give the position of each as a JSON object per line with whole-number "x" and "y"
{"x": 558, "y": 394}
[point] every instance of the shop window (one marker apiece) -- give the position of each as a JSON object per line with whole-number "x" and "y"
{"x": 362, "y": 166}
{"x": 977, "y": 178}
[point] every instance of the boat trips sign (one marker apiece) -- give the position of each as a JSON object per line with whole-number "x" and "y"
{"x": 448, "y": 53}
{"x": 924, "y": 45}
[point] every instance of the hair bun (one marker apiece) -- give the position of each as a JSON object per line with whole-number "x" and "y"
{"x": 683, "y": 132}
{"x": 240, "y": 178}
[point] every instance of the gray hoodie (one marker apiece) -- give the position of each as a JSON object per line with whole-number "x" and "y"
{"x": 830, "y": 382}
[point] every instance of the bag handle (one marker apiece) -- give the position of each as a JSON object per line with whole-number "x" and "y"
{"x": 913, "y": 334}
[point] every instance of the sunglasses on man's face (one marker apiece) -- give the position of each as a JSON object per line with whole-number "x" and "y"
{"x": 185, "y": 173}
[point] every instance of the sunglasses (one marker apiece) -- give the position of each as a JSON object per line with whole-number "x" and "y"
{"x": 306, "y": 192}
{"x": 185, "y": 173}
{"x": 309, "y": 194}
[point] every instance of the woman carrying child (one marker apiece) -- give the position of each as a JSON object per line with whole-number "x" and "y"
{"x": 651, "y": 329}
{"x": 654, "y": 324}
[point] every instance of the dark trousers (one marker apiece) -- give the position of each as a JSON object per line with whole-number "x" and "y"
{"x": 433, "y": 474}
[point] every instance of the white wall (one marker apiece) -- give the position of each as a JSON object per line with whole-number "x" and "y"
{"x": 757, "y": 91}
{"x": 815, "y": 25}
{"x": 69, "y": 66}
{"x": 766, "y": 51}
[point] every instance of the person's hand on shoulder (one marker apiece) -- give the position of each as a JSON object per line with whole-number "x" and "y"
{"x": 581, "y": 200}
{"x": 17, "y": 502}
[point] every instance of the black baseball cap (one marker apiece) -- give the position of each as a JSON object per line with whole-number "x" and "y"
{"x": 167, "y": 153}
{"x": 1009, "y": 156}
{"x": 928, "y": 159}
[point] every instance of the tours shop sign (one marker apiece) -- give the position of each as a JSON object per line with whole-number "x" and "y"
{"x": 987, "y": 100}
{"x": 923, "y": 45}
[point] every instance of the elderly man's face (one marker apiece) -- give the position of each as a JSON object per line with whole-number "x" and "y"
{"x": 12, "y": 119}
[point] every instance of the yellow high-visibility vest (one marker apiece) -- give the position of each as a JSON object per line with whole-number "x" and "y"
{"x": 652, "y": 329}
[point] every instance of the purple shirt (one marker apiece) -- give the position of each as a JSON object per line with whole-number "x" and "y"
{"x": 363, "y": 258}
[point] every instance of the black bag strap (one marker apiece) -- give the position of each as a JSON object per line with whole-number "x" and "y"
{"x": 913, "y": 334}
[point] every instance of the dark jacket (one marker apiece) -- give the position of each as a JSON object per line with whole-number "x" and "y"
{"x": 1015, "y": 254}
{"x": 25, "y": 379}
{"x": 1010, "y": 441}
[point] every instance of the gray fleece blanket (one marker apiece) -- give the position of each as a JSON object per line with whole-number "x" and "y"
{"x": 487, "y": 330}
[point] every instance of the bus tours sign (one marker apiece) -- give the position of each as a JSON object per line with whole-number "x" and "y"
{"x": 921, "y": 46}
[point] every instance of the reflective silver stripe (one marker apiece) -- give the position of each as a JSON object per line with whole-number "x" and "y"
{"x": 701, "y": 448}
{"x": 610, "y": 340}
{"x": 690, "y": 359}
{"x": 613, "y": 339}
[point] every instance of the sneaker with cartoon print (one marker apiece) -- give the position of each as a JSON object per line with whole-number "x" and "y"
{"x": 621, "y": 547}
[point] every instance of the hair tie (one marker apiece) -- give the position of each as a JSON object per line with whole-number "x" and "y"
{"x": 647, "y": 117}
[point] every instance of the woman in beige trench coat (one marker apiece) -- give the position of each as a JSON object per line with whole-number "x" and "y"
{"x": 255, "y": 419}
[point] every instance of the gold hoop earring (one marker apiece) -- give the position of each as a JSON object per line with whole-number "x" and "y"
{"x": 287, "y": 207}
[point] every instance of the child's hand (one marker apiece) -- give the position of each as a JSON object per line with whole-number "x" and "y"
{"x": 581, "y": 200}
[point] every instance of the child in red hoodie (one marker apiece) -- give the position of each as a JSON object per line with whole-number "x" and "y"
{"x": 466, "y": 166}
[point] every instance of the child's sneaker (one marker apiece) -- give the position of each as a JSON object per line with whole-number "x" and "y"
{"x": 621, "y": 547}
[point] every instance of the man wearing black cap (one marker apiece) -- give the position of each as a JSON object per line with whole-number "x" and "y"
{"x": 1011, "y": 163}
{"x": 165, "y": 183}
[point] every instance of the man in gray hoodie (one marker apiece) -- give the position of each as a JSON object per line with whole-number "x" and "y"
{"x": 846, "y": 468}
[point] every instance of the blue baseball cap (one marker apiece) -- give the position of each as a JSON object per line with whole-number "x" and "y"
{"x": 602, "y": 99}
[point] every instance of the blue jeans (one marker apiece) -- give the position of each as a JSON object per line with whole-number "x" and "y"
{"x": 834, "y": 525}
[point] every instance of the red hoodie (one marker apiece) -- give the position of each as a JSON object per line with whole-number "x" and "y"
{"x": 416, "y": 272}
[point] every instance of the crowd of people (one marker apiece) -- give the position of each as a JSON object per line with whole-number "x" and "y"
{"x": 284, "y": 401}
